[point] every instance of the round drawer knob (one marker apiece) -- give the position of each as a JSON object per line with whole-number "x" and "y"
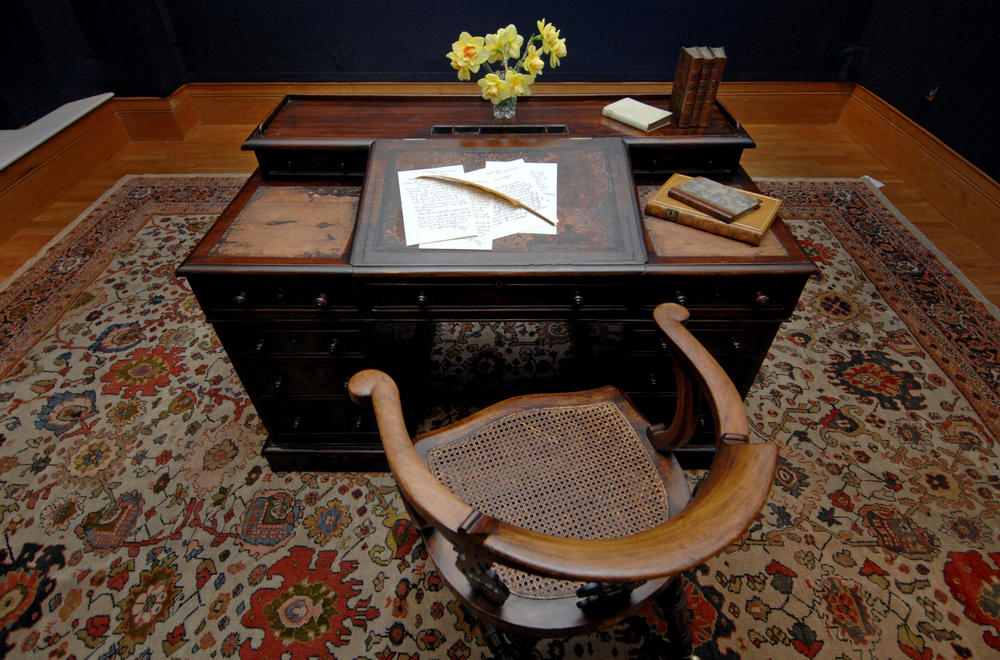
{"x": 653, "y": 380}
{"x": 278, "y": 383}
{"x": 359, "y": 421}
{"x": 736, "y": 343}
{"x": 422, "y": 299}
{"x": 321, "y": 301}
{"x": 762, "y": 298}
{"x": 577, "y": 299}
{"x": 295, "y": 423}
{"x": 334, "y": 345}
{"x": 680, "y": 298}
{"x": 241, "y": 299}
{"x": 259, "y": 346}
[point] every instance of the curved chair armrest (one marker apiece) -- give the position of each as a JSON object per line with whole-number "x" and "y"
{"x": 729, "y": 500}
{"x": 726, "y": 404}
{"x": 422, "y": 490}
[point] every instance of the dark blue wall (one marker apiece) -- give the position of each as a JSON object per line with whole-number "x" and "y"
{"x": 918, "y": 47}
{"x": 60, "y": 50}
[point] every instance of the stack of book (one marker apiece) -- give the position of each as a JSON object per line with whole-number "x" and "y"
{"x": 709, "y": 206}
{"x": 696, "y": 82}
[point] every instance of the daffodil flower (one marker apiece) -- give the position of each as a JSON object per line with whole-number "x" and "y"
{"x": 516, "y": 75}
{"x": 494, "y": 48}
{"x": 495, "y": 88}
{"x": 509, "y": 37}
{"x": 467, "y": 54}
{"x": 549, "y": 33}
{"x": 533, "y": 63}
{"x": 520, "y": 84}
{"x": 557, "y": 49}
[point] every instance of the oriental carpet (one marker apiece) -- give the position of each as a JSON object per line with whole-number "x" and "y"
{"x": 139, "y": 520}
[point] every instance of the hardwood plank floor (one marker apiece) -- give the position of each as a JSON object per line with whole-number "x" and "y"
{"x": 783, "y": 150}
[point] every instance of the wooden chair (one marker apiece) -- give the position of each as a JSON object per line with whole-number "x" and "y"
{"x": 558, "y": 514}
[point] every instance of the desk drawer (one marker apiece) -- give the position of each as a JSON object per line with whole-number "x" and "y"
{"x": 292, "y": 376}
{"x": 317, "y": 419}
{"x": 656, "y": 374}
{"x": 239, "y": 295}
{"x": 496, "y": 294}
{"x": 265, "y": 340}
{"x": 328, "y": 162}
{"x": 723, "y": 338}
{"x": 731, "y": 296}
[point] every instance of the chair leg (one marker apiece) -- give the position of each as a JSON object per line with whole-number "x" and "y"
{"x": 673, "y": 602}
{"x": 507, "y": 646}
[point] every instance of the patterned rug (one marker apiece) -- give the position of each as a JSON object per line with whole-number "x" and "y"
{"x": 139, "y": 520}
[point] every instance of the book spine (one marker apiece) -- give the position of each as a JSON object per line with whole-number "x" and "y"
{"x": 681, "y": 76}
{"x": 707, "y": 62}
{"x": 690, "y": 93}
{"x": 718, "y": 66}
{"x": 703, "y": 222}
{"x": 685, "y": 87}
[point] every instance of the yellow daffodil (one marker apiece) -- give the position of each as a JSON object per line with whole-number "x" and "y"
{"x": 551, "y": 43}
{"x": 504, "y": 43}
{"x": 495, "y": 88}
{"x": 549, "y": 34}
{"x": 520, "y": 84}
{"x": 533, "y": 63}
{"x": 467, "y": 54}
{"x": 494, "y": 49}
{"x": 557, "y": 49}
{"x": 514, "y": 75}
{"x": 512, "y": 40}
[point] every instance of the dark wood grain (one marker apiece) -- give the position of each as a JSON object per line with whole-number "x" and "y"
{"x": 262, "y": 296}
{"x": 332, "y": 135}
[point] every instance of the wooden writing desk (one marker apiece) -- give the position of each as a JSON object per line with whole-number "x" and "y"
{"x": 305, "y": 280}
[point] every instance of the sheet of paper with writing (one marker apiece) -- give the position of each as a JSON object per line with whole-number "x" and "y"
{"x": 533, "y": 184}
{"x": 593, "y": 199}
{"x": 434, "y": 210}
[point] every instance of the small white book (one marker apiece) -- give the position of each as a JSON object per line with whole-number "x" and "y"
{"x": 637, "y": 114}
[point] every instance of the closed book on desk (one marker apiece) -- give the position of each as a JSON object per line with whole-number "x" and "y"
{"x": 685, "y": 88}
{"x": 718, "y": 66}
{"x": 719, "y": 201}
{"x": 704, "y": 75}
{"x": 749, "y": 229}
{"x": 637, "y": 114}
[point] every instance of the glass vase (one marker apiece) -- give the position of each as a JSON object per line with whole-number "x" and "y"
{"x": 505, "y": 109}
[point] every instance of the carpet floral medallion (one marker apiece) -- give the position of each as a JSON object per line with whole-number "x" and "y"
{"x": 139, "y": 520}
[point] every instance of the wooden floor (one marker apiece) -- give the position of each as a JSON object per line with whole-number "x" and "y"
{"x": 789, "y": 150}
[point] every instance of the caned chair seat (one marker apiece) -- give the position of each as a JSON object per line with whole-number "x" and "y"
{"x": 577, "y": 470}
{"x": 556, "y": 514}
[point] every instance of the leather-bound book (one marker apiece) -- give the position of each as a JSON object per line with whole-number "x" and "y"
{"x": 703, "y": 77}
{"x": 718, "y": 66}
{"x": 719, "y": 201}
{"x": 685, "y": 87}
{"x": 751, "y": 228}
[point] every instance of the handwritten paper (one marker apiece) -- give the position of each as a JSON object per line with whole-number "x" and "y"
{"x": 434, "y": 210}
{"x": 470, "y": 219}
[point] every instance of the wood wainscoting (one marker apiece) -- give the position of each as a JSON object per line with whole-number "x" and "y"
{"x": 802, "y": 129}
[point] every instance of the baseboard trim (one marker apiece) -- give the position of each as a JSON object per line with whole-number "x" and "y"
{"x": 28, "y": 185}
{"x": 148, "y": 118}
{"x": 962, "y": 192}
